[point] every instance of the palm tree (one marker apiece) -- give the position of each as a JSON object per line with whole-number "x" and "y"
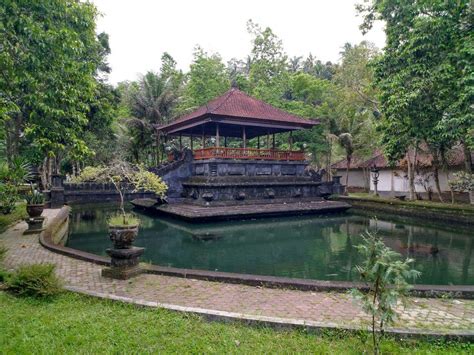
{"x": 151, "y": 102}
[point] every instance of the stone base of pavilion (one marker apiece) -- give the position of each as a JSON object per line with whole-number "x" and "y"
{"x": 258, "y": 209}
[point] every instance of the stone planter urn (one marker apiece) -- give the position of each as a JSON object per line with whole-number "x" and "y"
{"x": 124, "y": 256}
{"x": 35, "y": 210}
{"x": 35, "y": 225}
{"x": 123, "y": 236}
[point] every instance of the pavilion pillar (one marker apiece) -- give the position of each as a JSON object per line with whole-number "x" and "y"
{"x": 244, "y": 137}
{"x": 273, "y": 140}
{"x": 290, "y": 139}
{"x": 180, "y": 142}
{"x": 268, "y": 140}
{"x": 192, "y": 145}
{"x": 258, "y": 142}
{"x": 203, "y": 140}
{"x": 225, "y": 141}
{"x": 218, "y": 138}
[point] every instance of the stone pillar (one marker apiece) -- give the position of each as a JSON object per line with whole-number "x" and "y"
{"x": 244, "y": 137}
{"x": 56, "y": 193}
{"x": 124, "y": 256}
{"x": 337, "y": 187}
{"x": 218, "y": 137}
{"x": 124, "y": 263}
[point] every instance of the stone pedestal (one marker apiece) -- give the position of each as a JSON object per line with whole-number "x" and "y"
{"x": 35, "y": 224}
{"x": 125, "y": 263}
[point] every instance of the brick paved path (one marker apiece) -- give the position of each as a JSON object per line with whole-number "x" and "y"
{"x": 322, "y": 307}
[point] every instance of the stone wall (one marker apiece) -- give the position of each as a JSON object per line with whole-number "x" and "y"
{"x": 175, "y": 173}
{"x": 216, "y": 191}
{"x": 65, "y": 193}
{"x": 226, "y": 167}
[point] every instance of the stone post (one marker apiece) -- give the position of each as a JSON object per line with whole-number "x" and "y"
{"x": 57, "y": 191}
{"x": 124, "y": 256}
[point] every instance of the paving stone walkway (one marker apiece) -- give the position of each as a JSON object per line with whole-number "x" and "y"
{"x": 325, "y": 308}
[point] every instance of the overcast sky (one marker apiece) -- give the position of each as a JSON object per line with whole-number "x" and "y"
{"x": 141, "y": 30}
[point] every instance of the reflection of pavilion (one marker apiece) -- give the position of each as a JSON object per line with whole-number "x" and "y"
{"x": 221, "y": 169}
{"x": 257, "y": 226}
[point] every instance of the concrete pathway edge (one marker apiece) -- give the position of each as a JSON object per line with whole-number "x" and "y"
{"x": 277, "y": 322}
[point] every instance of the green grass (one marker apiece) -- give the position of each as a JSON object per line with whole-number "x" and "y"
{"x": 419, "y": 203}
{"x": 72, "y": 323}
{"x": 8, "y": 219}
{"x": 117, "y": 220}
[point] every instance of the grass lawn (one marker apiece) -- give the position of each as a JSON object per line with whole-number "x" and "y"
{"x": 420, "y": 203}
{"x": 17, "y": 214}
{"x": 73, "y": 323}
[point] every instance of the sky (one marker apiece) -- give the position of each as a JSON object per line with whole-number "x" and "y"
{"x": 141, "y": 30}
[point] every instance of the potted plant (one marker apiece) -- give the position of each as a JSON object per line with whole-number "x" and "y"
{"x": 34, "y": 203}
{"x": 12, "y": 176}
{"x": 123, "y": 227}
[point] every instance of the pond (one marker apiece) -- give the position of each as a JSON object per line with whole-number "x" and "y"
{"x": 308, "y": 247}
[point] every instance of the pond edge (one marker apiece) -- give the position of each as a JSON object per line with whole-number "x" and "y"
{"x": 56, "y": 231}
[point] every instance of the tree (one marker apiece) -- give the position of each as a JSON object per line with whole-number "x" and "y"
{"x": 151, "y": 102}
{"x": 354, "y": 107}
{"x": 425, "y": 75}
{"x": 207, "y": 79}
{"x": 124, "y": 176}
{"x": 268, "y": 75}
{"x": 463, "y": 182}
{"x": 50, "y": 55}
{"x": 386, "y": 275}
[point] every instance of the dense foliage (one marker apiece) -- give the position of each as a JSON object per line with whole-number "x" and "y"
{"x": 425, "y": 76}
{"x": 124, "y": 177}
{"x": 35, "y": 280}
{"x": 49, "y": 63}
{"x": 58, "y": 111}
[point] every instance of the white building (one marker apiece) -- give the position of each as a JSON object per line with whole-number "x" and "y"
{"x": 394, "y": 180}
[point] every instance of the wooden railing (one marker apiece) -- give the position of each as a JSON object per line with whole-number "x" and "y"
{"x": 247, "y": 153}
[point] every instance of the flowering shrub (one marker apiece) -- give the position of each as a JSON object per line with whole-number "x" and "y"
{"x": 123, "y": 175}
{"x": 462, "y": 182}
{"x": 90, "y": 174}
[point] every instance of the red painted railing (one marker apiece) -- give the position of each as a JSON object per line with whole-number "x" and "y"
{"x": 247, "y": 153}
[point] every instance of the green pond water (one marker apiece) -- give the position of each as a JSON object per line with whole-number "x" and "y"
{"x": 309, "y": 247}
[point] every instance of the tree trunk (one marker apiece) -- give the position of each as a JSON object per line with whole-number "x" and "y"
{"x": 450, "y": 187}
{"x": 12, "y": 136}
{"x": 329, "y": 158}
{"x": 435, "y": 163}
{"x": 44, "y": 171}
{"x": 411, "y": 174}
{"x": 392, "y": 184}
{"x": 348, "y": 166}
{"x": 467, "y": 158}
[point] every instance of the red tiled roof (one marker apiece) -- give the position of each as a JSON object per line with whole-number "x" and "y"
{"x": 454, "y": 157}
{"x": 235, "y": 103}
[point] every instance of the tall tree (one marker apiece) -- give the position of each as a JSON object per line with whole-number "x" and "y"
{"x": 207, "y": 79}
{"x": 151, "y": 102}
{"x": 48, "y": 62}
{"x": 269, "y": 75}
{"x": 425, "y": 75}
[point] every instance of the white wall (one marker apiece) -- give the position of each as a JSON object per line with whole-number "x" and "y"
{"x": 356, "y": 178}
{"x": 400, "y": 181}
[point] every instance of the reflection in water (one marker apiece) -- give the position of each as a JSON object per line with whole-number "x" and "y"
{"x": 311, "y": 247}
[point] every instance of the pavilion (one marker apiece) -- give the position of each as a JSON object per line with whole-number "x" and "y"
{"x": 231, "y": 180}
{"x": 237, "y": 115}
